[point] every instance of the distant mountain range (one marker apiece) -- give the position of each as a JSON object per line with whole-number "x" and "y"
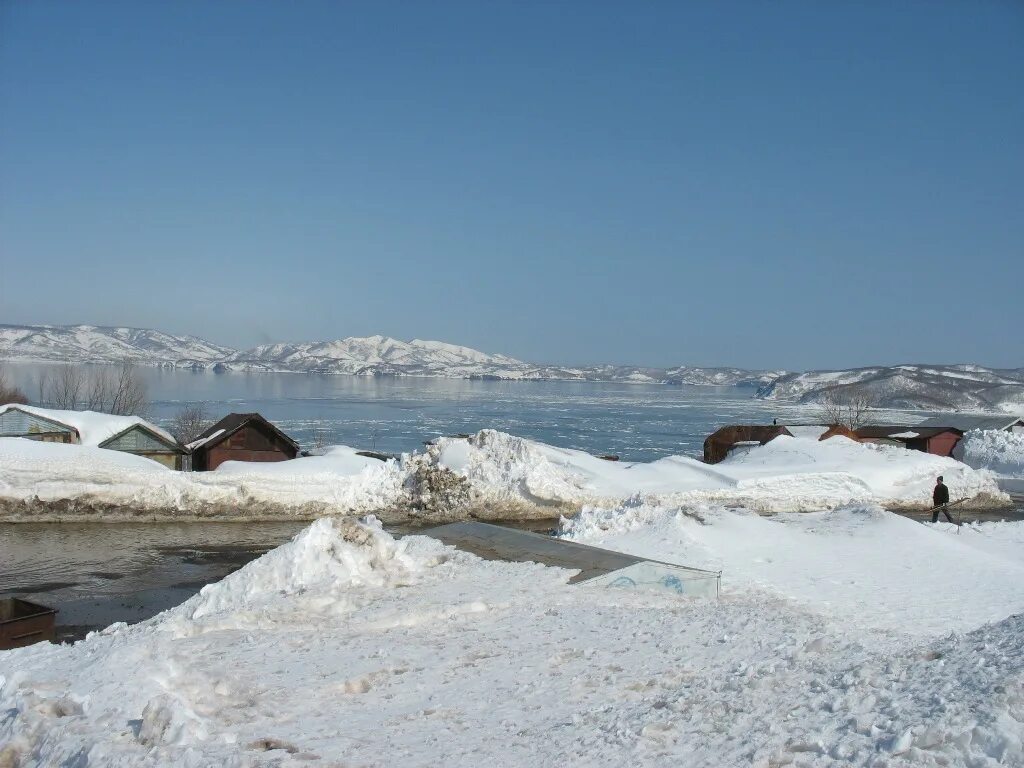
{"x": 370, "y": 356}
{"x": 929, "y": 387}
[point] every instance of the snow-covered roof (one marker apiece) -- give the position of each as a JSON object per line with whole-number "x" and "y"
{"x": 204, "y": 440}
{"x": 965, "y": 423}
{"x": 93, "y": 428}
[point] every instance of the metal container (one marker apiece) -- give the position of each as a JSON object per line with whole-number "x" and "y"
{"x": 24, "y": 623}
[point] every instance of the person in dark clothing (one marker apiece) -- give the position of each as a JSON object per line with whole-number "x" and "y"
{"x": 940, "y": 498}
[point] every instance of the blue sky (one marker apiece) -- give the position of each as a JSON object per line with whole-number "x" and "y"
{"x": 777, "y": 184}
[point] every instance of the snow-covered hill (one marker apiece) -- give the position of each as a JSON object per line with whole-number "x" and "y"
{"x": 369, "y": 356}
{"x": 930, "y": 387}
{"x": 97, "y": 344}
{"x": 376, "y": 356}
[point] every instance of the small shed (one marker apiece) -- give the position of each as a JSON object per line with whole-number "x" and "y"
{"x": 18, "y": 421}
{"x": 241, "y": 437}
{"x": 720, "y": 443}
{"x": 939, "y": 441}
{"x": 131, "y": 434}
{"x": 143, "y": 440}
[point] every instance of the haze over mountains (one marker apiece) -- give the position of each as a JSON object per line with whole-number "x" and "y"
{"x": 934, "y": 387}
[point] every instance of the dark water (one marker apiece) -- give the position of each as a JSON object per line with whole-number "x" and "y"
{"x": 96, "y": 574}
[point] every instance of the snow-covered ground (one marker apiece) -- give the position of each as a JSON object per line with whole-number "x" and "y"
{"x": 850, "y": 637}
{"x": 996, "y": 450}
{"x": 491, "y": 474}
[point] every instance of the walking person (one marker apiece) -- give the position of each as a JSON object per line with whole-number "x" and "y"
{"x": 940, "y": 498}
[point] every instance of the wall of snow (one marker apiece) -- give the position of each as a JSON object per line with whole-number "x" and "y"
{"x": 999, "y": 451}
{"x": 491, "y": 475}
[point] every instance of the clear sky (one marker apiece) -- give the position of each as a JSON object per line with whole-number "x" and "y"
{"x": 777, "y": 184}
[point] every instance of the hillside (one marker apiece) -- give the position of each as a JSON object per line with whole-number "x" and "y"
{"x": 98, "y": 344}
{"x": 355, "y": 356}
{"x": 928, "y": 387}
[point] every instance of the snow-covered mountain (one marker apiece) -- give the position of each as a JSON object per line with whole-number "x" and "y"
{"x": 97, "y": 344}
{"x": 370, "y": 356}
{"x": 928, "y": 387}
{"x": 375, "y": 356}
{"x": 384, "y": 356}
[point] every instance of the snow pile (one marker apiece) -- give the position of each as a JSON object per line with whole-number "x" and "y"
{"x": 93, "y": 427}
{"x": 787, "y": 474}
{"x": 872, "y": 568}
{"x": 491, "y": 475}
{"x": 997, "y": 450}
{"x": 67, "y": 482}
{"x": 329, "y": 556}
{"x": 823, "y": 651}
{"x": 337, "y": 460}
{"x": 504, "y": 467}
{"x": 838, "y": 471}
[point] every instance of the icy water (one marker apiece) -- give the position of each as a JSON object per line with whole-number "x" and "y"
{"x": 96, "y": 574}
{"x": 637, "y": 421}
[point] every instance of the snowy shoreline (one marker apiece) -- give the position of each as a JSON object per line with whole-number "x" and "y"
{"x": 488, "y": 476}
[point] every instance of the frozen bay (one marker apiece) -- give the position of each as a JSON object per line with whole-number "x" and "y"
{"x": 639, "y": 422}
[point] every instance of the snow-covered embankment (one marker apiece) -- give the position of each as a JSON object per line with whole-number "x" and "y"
{"x": 491, "y": 475}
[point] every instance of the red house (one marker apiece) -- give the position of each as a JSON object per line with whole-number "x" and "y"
{"x": 241, "y": 437}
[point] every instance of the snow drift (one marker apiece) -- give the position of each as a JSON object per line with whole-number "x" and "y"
{"x": 491, "y": 475}
{"x": 996, "y": 450}
{"x": 787, "y": 474}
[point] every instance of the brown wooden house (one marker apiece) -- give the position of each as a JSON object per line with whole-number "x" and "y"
{"x": 739, "y": 437}
{"x": 718, "y": 445}
{"x": 241, "y": 437}
{"x": 936, "y": 440}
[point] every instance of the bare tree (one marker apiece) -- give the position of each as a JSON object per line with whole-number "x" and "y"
{"x": 120, "y": 391}
{"x": 320, "y": 439}
{"x": 99, "y": 390}
{"x": 65, "y": 388}
{"x": 43, "y": 384}
{"x": 10, "y": 393}
{"x": 190, "y": 422}
{"x": 848, "y": 408}
{"x": 127, "y": 392}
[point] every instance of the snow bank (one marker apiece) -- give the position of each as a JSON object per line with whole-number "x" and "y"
{"x": 345, "y": 645}
{"x": 338, "y": 460}
{"x": 871, "y": 567}
{"x": 69, "y": 482}
{"x": 504, "y": 467}
{"x": 997, "y": 450}
{"x": 491, "y": 475}
{"x": 787, "y": 474}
